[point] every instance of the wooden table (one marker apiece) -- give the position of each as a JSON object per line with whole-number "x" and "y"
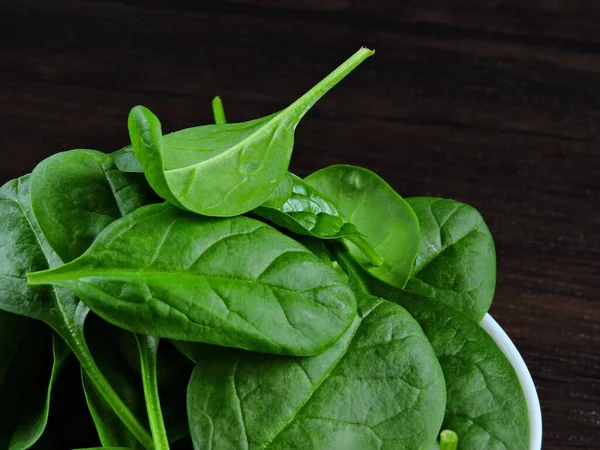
{"x": 494, "y": 103}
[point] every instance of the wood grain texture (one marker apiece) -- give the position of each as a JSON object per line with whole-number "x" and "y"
{"x": 492, "y": 102}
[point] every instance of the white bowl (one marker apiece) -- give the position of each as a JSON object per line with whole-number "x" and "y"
{"x": 533, "y": 403}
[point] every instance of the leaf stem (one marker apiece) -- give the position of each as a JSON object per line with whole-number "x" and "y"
{"x": 367, "y": 250}
{"x": 218, "y": 111}
{"x": 304, "y": 103}
{"x": 148, "y": 347}
{"x": 448, "y": 440}
{"x": 347, "y": 263}
{"x": 112, "y": 398}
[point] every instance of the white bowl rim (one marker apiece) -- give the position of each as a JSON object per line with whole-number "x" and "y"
{"x": 533, "y": 403}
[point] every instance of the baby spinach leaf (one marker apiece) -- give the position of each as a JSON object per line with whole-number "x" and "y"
{"x": 300, "y": 208}
{"x": 24, "y": 249}
{"x": 89, "y": 178}
{"x": 486, "y": 406}
{"x": 456, "y": 262}
{"x": 297, "y": 206}
{"x": 235, "y": 282}
{"x": 380, "y": 386}
{"x": 225, "y": 169}
{"x": 96, "y": 194}
{"x": 387, "y": 221}
{"x": 126, "y": 161}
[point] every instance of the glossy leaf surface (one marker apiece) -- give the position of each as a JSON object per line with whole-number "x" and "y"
{"x": 126, "y": 161}
{"x": 485, "y": 404}
{"x": 76, "y": 194}
{"x": 378, "y": 387}
{"x": 294, "y": 205}
{"x": 226, "y": 169}
{"x": 235, "y": 282}
{"x": 97, "y": 195}
{"x": 456, "y": 263}
{"x": 388, "y": 223}
{"x": 300, "y": 208}
{"x": 24, "y": 249}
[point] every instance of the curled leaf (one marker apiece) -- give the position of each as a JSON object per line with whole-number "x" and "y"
{"x": 225, "y": 169}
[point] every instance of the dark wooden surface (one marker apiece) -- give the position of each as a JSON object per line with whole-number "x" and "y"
{"x": 494, "y": 103}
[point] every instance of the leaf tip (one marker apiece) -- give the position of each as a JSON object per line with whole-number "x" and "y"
{"x": 144, "y": 129}
{"x": 139, "y": 117}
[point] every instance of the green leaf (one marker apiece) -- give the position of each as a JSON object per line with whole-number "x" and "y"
{"x": 485, "y": 406}
{"x": 126, "y": 161}
{"x": 97, "y": 195}
{"x": 387, "y": 221}
{"x": 235, "y": 282}
{"x": 300, "y": 208}
{"x": 76, "y": 194}
{"x": 294, "y": 205}
{"x": 379, "y": 387}
{"x": 225, "y": 169}
{"x": 24, "y": 249}
{"x": 456, "y": 262}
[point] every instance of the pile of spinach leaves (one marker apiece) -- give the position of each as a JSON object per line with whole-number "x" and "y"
{"x": 196, "y": 294}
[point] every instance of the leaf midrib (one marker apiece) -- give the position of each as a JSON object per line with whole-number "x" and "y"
{"x": 260, "y": 130}
{"x": 131, "y": 274}
{"x": 472, "y": 231}
{"x": 324, "y": 378}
